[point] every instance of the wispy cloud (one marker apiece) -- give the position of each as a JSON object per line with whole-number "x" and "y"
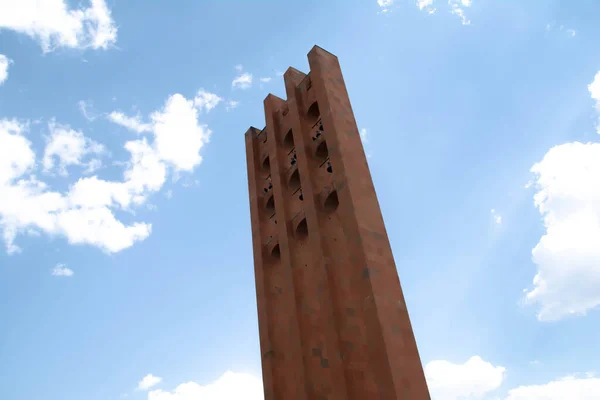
{"x": 385, "y": 5}
{"x": 206, "y": 101}
{"x": 243, "y": 81}
{"x": 231, "y": 104}
{"x": 561, "y": 28}
{"x": 364, "y": 137}
{"x": 132, "y": 123}
{"x": 87, "y": 110}
{"x": 62, "y": 270}
{"x": 149, "y": 381}
{"x": 4, "y": 63}
{"x": 67, "y": 147}
{"x": 458, "y": 8}
{"x": 426, "y": 5}
{"x": 497, "y": 217}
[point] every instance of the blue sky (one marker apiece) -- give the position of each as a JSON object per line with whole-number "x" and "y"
{"x": 126, "y": 266}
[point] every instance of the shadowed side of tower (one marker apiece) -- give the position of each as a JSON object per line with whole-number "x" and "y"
{"x": 332, "y": 317}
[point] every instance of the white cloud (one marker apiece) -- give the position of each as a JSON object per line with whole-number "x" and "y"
{"x": 561, "y": 28}
{"x": 239, "y": 67}
{"x": 570, "y": 32}
{"x": 426, "y": 5}
{"x": 594, "y": 89}
{"x": 385, "y": 5}
{"x": 497, "y": 217}
{"x": 85, "y": 212}
{"x": 364, "y": 135}
{"x": 149, "y": 381}
{"x": 205, "y": 100}
{"x": 178, "y": 138}
{"x": 230, "y": 386}
{"x": 54, "y": 24}
{"x": 266, "y": 79}
{"x": 231, "y": 104}
{"x": 570, "y": 387}
{"x": 567, "y": 256}
{"x": 87, "y": 110}
{"x": 146, "y": 173}
{"x": 132, "y": 123}
{"x": 62, "y": 270}
{"x": 458, "y": 8}
{"x": 243, "y": 81}
{"x": 4, "y": 63}
{"x": 16, "y": 156}
{"x": 69, "y": 147}
{"x": 471, "y": 380}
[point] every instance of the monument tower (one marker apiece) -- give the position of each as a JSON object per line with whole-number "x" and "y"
{"x": 333, "y": 321}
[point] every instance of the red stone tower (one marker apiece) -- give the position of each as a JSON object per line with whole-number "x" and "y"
{"x": 332, "y": 318}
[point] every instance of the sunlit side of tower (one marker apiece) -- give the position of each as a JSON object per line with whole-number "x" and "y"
{"x": 333, "y": 322}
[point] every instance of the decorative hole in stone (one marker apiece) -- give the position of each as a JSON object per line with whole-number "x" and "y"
{"x": 270, "y": 204}
{"x": 331, "y": 202}
{"x": 266, "y": 164}
{"x": 276, "y": 252}
{"x": 288, "y": 140}
{"x": 321, "y": 150}
{"x": 313, "y": 114}
{"x": 294, "y": 182}
{"x": 302, "y": 229}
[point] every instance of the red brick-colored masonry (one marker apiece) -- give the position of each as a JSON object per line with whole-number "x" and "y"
{"x": 332, "y": 317}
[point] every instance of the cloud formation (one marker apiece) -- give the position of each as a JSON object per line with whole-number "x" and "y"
{"x": 206, "y": 101}
{"x": 242, "y": 81}
{"x": 567, "y": 256}
{"x": 87, "y": 110}
{"x": 231, "y": 104}
{"x": 85, "y": 212}
{"x": 134, "y": 123}
{"x": 594, "y": 89}
{"x": 66, "y": 147}
{"x": 385, "y": 5}
{"x": 457, "y": 7}
{"x": 54, "y": 24}
{"x": 230, "y": 386}
{"x": 569, "y": 387}
{"x": 497, "y": 217}
{"x": 473, "y": 379}
{"x": 148, "y": 382}
{"x": 426, "y": 5}
{"x": 4, "y": 63}
{"x": 62, "y": 270}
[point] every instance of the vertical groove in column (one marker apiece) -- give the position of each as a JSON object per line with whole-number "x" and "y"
{"x": 293, "y": 370}
{"x": 253, "y": 163}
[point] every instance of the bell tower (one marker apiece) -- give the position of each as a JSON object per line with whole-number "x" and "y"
{"x": 332, "y": 317}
